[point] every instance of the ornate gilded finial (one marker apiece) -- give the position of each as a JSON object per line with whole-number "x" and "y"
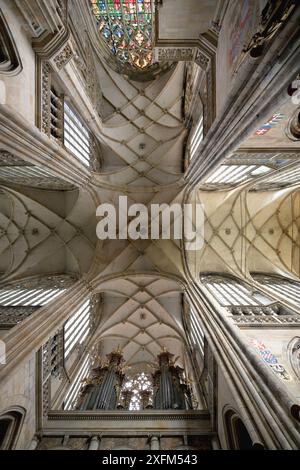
{"x": 117, "y": 350}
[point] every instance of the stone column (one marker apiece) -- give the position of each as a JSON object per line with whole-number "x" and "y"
{"x": 94, "y": 443}
{"x": 154, "y": 443}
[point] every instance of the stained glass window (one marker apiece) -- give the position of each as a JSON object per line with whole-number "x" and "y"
{"x": 127, "y": 25}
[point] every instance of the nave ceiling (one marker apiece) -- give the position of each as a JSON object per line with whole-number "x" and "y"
{"x": 141, "y": 314}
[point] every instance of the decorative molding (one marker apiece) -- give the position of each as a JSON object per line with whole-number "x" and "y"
{"x": 8, "y": 159}
{"x": 95, "y": 315}
{"x": 277, "y": 321}
{"x": 11, "y": 316}
{"x": 52, "y": 366}
{"x": 274, "y": 309}
{"x": 63, "y": 57}
{"x": 201, "y": 59}
{"x": 92, "y": 82}
{"x": 177, "y": 54}
{"x": 45, "y": 182}
{"x": 45, "y": 97}
{"x": 174, "y": 54}
{"x": 96, "y": 155}
{"x": 145, "y": 415}
{"x": 62, "y": 10}
{"x": 50, "y": 281}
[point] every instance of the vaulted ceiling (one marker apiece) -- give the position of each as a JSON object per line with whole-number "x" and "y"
{"x": 251, "y": 232}
{"x": 143, "y": 130}
{"x": 44, "y": 233}
{"x": 142, "y": 137}
{"x": 141, "y": 314}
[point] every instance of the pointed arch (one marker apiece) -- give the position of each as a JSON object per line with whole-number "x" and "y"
{"x": 10, "y": 62}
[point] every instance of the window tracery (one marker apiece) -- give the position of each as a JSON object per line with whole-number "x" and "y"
{"x": 126, "y": 26}
{"x": 137, "y": 386}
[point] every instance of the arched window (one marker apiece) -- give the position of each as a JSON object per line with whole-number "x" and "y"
{"x": 23, "y": 297}
{"x": 233, "y": 174}
{"x": 237, "y": 435}
{"x": 230, "y": 292}
{"x": 10, "y": 426}
{"x": 281, "y": 286}
{"x": 10, "y": 63}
